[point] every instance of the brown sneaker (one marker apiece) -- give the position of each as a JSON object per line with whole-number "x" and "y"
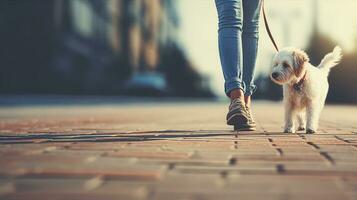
{"x": 238, "y": 116}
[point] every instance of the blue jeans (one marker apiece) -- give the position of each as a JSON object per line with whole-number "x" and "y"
{"x": 238, "y": 42}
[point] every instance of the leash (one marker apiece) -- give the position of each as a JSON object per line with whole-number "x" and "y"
{"x": 267, "y": 26}
{"x": 297, "y": 86}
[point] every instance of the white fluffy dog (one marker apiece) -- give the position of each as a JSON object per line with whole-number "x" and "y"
{"x": 305, "y": 86}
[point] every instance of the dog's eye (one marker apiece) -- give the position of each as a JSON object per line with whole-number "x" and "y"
{"x": 285, "y": 65}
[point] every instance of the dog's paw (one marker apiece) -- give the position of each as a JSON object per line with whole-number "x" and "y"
{"x": 289, "y": 130}
{"x": 301, "y": 128}
{"x": 310, "y": 131}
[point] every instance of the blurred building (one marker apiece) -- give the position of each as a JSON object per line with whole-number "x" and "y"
{"x": 94, "y": 47}
{"x": 56, "y": 45}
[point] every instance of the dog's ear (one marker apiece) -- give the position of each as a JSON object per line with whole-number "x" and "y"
{"x": 300, "y": 58}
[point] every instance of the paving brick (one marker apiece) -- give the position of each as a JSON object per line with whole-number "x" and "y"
{"x": 7, "y": 188}
{"x": 296, "y": 157}
{"x": 289, "y": 183}
{"x": 152, "y": 154}
{"x": 187, "y": 162}
{"x": 224, "y": 169}
{"x": 74, "y": 196}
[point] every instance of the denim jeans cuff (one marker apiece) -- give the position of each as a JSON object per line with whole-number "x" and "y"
{"x": 229, "y": 86}
{"x": 250, "y": 90}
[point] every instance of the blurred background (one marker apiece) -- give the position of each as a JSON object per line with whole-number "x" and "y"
{"x": 158, "y": 48}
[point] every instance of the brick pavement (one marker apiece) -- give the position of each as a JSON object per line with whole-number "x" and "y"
{"x": 172, "y": 151}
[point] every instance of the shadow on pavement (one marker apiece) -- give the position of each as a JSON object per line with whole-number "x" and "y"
{"x": 138, "y": 136}
{"x": 108, "y": 137}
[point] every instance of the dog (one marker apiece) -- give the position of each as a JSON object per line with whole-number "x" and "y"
{"x": 305, "y": 86}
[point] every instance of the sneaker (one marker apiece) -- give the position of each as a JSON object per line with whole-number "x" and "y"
{"x": 250, "y": 117}
{"x": 238, "y": 116}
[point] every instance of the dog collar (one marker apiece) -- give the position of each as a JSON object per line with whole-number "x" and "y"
{"x": 298, "y": 86}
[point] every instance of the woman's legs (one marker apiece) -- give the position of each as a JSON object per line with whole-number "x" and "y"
{"x": 250, "y": 36}
{"x": 230, "y": 15}
{"x": 230, "y": 45}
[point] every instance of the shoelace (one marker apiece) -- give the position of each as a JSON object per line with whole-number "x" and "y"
{"x": 236, "y": 102}
{"x": 249, "y": 114}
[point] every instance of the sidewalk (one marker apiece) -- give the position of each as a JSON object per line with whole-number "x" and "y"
{"x": 173, "y": 151}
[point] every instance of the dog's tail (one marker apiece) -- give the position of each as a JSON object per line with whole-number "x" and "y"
{"x": 331, "y": 59}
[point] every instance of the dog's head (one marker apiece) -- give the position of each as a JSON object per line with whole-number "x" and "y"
{"x": 288, "y": 65}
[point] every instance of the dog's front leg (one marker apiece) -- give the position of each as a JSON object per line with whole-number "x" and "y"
{"x": 301, "y": 120}
{"x": 289, "y": 119}
{"x": 313, "y": 114}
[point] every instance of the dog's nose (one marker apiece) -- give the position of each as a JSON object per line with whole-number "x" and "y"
{"x": 275, "y": 75}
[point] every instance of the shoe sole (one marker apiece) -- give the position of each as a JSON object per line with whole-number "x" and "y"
{"x": 244, "y": 128}
{"x": 240, "y": 123}
{"x": 237, "y": 118}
